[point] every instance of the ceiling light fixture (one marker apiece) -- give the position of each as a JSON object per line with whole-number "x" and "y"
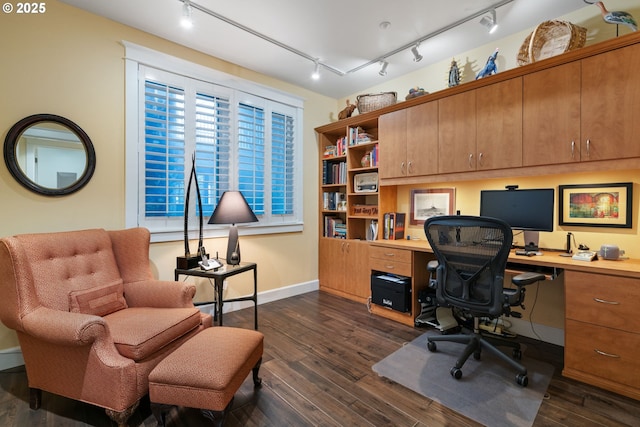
{"x": 416, "y": 55}
{"x": 383, "y": 68}
{"x": 189, "y": 4}
{"x": 490, "y": 21}
{"x": 316, "y": 72}
{"x": 186, "y": 21}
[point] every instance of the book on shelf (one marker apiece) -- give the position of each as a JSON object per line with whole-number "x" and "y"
{"x": 358, "y": 135}
{"x": 334, "y": 201}
{"x": 335, "y": 227}
{"x": 334, "y": 172}
{"x": 394, "y": 225}
{"x": 372, "y": 230}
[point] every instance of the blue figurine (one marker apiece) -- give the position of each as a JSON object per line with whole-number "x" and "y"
{"x": 617, "y": 17}
{"x": 490, "y": 67}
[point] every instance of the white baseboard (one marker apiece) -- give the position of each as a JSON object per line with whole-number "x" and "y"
{"x": 10, "y": 358}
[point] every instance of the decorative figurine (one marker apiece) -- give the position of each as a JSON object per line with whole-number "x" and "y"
{"x": 454, "y": 74}
{"x": 490, "y": 67}
{"x": 617, "y": 17}
{"x": 414, "y": 92}
{"x": 347, "y": 112}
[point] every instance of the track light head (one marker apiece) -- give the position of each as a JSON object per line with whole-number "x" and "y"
{"x": 491, "y": 22}
{"x": 316, "y": 71}
{"x": 416, "y": 55}
{"x": 383, "y": 68}
{"x": 186, "y": 21}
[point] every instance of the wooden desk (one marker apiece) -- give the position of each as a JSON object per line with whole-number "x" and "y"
{"x": 602, "y": 298}
{"x": 219, "y": 276}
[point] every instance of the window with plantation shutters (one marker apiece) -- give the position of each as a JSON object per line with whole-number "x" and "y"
{"x": 244, "y": 138}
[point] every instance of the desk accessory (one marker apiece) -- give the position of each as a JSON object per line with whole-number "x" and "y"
{"x": 585, "y": 256}
{"x": 611, "y": 252}
{"x": 232, "y": 208}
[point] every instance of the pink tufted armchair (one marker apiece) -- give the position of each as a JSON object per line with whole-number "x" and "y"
{"x": 91, "y": 320}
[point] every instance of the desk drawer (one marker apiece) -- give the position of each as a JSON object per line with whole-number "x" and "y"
{"x": 395, "y": 267}
{"x": 584, "y": 341}
{"x": 603, "y": 300}
{"x": 390, "y": 254}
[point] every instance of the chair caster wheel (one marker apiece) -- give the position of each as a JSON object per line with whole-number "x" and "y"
{"x": 517, "y": 354}
{"x": 456, "y": 373}
{"x": 522, "y": 380}
{"x": 431, "y": 346}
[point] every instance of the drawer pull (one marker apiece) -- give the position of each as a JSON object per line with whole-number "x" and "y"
{"x": 602, "y": 353}
{"x": 603, "y": 301}
{"x": 390, "y": 267}
{"x": 391, "y": 254}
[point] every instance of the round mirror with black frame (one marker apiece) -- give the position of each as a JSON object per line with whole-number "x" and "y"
{"x": 49, "y": 155}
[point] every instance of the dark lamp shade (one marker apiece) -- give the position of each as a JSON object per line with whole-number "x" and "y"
{"x": 232, "y": 208}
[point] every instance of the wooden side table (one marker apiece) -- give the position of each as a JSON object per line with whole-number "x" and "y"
{"x": 219, "y": 276}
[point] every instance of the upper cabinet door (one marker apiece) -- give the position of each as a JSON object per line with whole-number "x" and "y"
{"x": 392, "y": 144}
{"x": 499, "y": 125}
{"x": 551, "y": 116}
{"x": 422, "y": 139}
{"x": 457, "y": 133}
{"x": 611, "y": 105}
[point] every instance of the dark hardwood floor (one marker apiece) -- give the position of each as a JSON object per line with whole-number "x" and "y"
{"x": 316, "y": 371}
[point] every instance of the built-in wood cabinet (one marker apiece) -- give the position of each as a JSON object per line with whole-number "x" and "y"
{"x": 583, "y": 111}
{"x": 343, "y": 268}
{"x": 409, "y": 141}
{"x": 481, "y": 129}
{"x": 602, "y": 331}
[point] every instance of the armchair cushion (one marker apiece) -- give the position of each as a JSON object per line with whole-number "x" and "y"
{"x": 139, "y": 332}
{"x": 99, "y": 300}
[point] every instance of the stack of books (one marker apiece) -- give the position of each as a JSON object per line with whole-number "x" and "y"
{"x": 394, "y": 224}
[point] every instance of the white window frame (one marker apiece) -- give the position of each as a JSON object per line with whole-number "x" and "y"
{"x": 136, "y": 56}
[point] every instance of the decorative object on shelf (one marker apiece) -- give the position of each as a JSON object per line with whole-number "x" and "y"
{"x": 617, "y": 17}
{"x": 454, "y": 74}
{"x": 426, "y": 203}
{"x": 365, "y": 182}
{"x": 188, "y": 260}
{"x": 490, "y": 67}
{"x": 347, "y": 112}
{"x": 415, "y": 92}
{"x": 372, "y": 102}
{"x": 232, "y": 208}
{"x": 596, "y": 205}
{"x": 551, "y": 38}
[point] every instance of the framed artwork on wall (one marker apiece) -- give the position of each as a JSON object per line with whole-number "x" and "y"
{"x": 426, "y": 203}
{"x": 596, "y": 205}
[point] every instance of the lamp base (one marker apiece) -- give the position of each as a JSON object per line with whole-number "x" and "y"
{"x": 233, "y": 246}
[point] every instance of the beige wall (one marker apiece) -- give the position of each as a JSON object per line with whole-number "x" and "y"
{"x": 69, "y": 62}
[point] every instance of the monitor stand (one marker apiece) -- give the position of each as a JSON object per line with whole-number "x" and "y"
{"x": 531, "y": 240}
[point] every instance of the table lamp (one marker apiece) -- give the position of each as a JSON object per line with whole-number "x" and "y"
{"x": 232, "y": 209}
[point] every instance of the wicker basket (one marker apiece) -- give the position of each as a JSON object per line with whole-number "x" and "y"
{"x": 371, "y": 102}
{"x": 551, "y": 38}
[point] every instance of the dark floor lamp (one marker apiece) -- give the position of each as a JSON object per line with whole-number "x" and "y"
{"x": 232, "y": 209}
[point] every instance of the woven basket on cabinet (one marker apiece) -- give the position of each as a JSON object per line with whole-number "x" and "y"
{"x": 371, "y": 102}
{"x": 551, "y": 38}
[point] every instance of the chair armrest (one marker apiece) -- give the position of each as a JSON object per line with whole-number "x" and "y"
{"x": 159, "y": 293}
{"x": 524, "y": 279}
{"x": 432, "y": 265}
{"x": 64, "y": 328}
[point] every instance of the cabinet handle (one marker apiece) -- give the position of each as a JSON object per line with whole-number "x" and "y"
{"x": 390, "y": 254}
{"x": 480, "y": 159}
{"x": 573, "y": 150}
{"x": 390, "y": 267}
{"x": 604, "y": 301}
{"x": 588, "y": 147}
{"x": 402, "y": 168}
{"x": 409, "y": 168}
{"x": 602, "y": 353}
{"x": 347, "y": 245}
{"x": 470, "y": 161}
{"x": 342, "y": 246}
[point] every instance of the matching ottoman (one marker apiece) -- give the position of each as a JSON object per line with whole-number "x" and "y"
{"x": 206, "y": 371}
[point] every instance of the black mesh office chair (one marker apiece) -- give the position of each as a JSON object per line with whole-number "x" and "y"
{"x": 469, "y": 274}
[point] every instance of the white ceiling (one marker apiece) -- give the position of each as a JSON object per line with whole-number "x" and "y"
{"x": 343, "y": 34}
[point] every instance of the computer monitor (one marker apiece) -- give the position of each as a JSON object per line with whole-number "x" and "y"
{"x": 530, "y": 210}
